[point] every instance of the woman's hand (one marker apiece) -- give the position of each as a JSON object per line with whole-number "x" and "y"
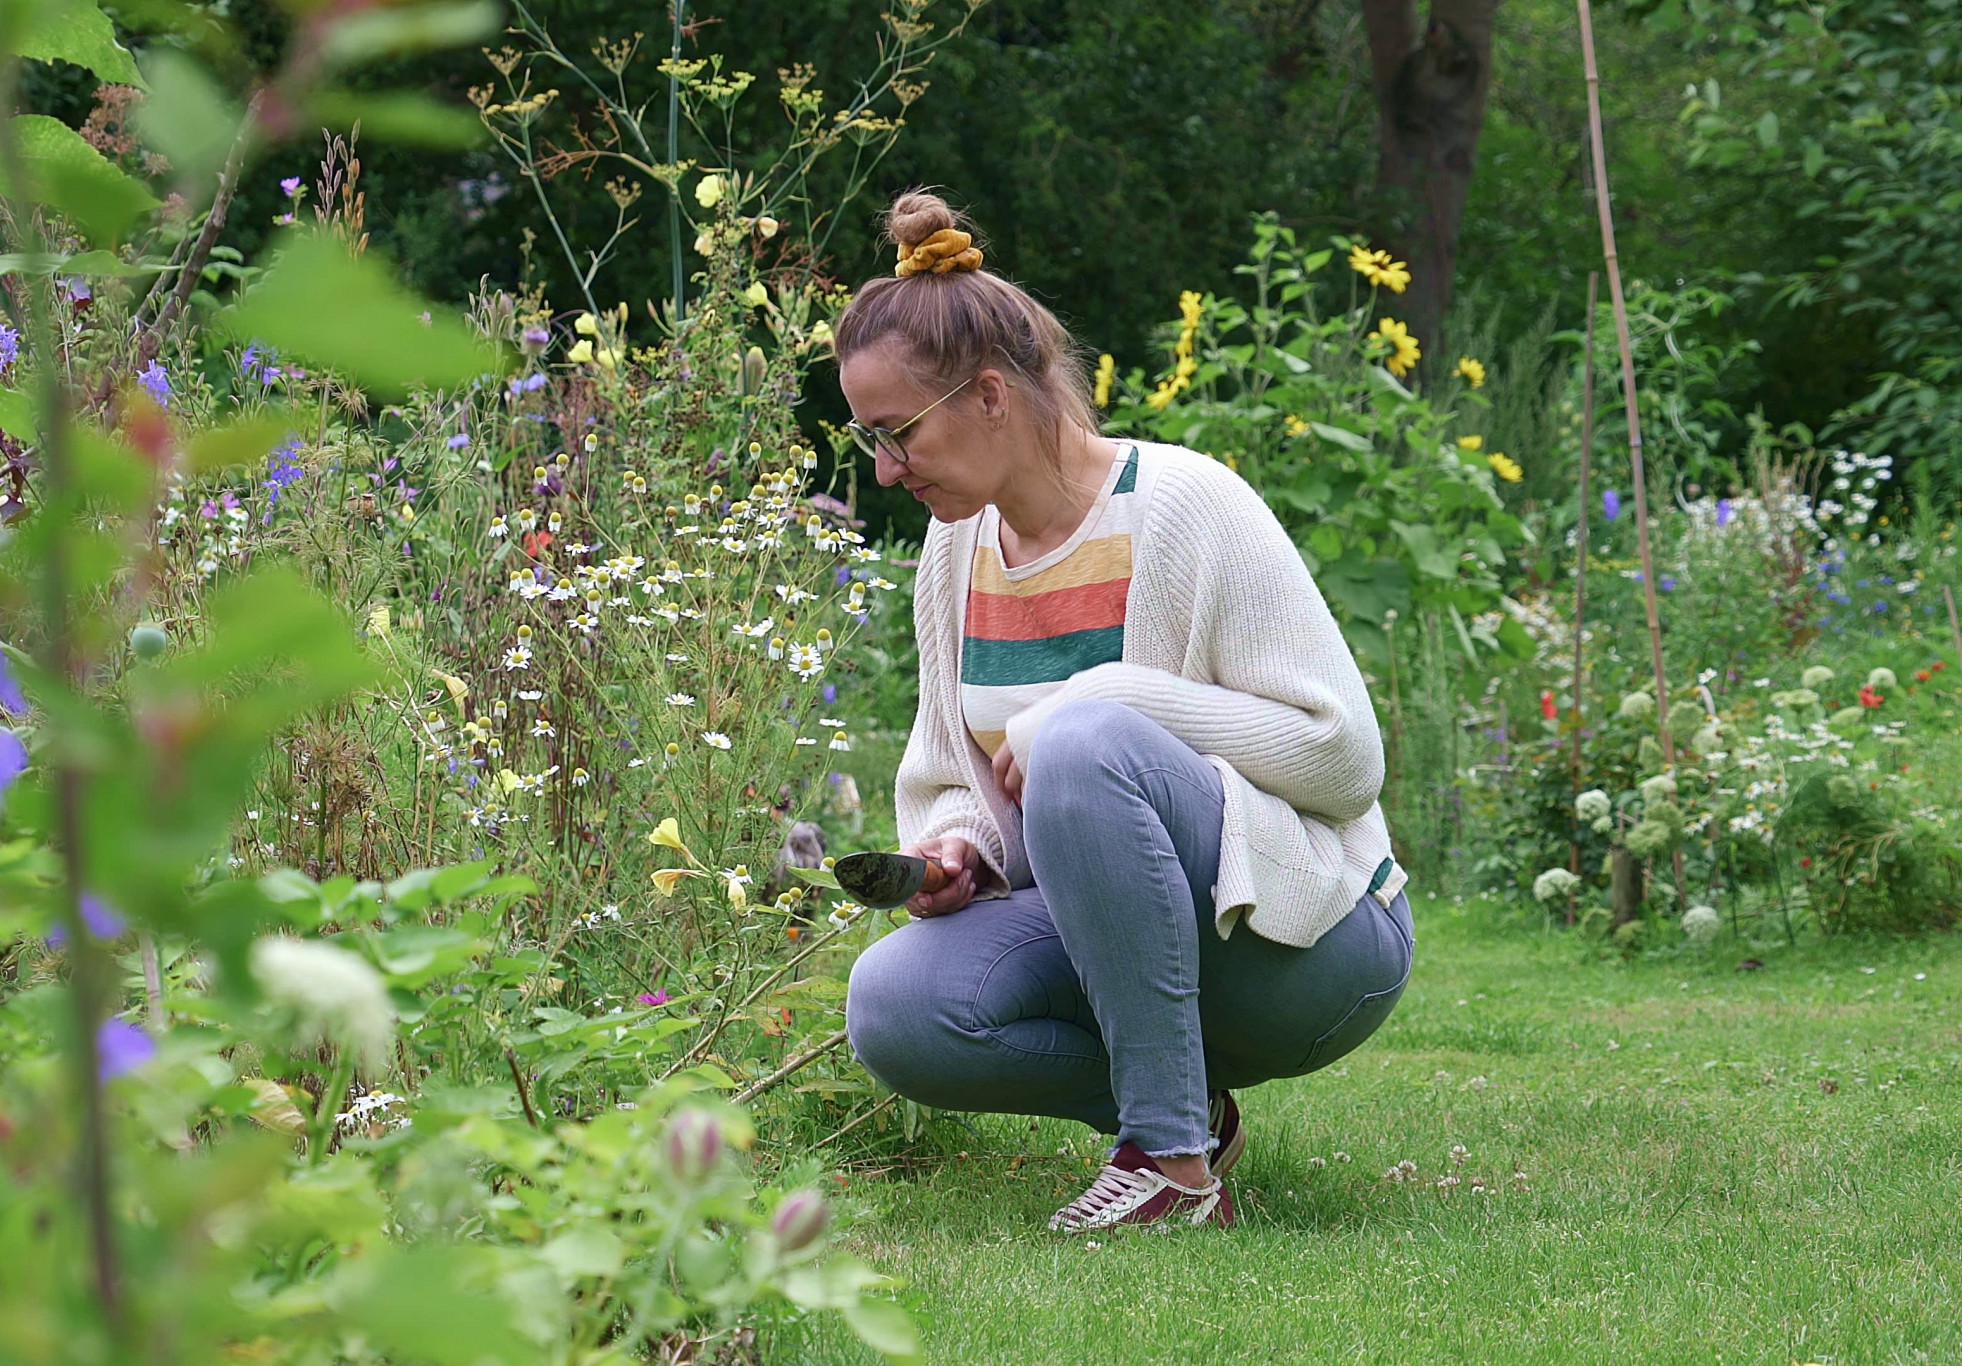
{"x": 962, "y": 863}
{"x": 1008, "y": 773}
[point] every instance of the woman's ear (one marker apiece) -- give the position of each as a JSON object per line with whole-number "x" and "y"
{"x": 993, "y": 387}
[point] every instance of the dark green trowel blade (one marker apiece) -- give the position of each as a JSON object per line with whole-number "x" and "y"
{"x": 880, "y": 881}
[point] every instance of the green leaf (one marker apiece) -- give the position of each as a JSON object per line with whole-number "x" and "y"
{"x": 74, "y": 31}
{"x": 351, "y": 315}
{"x": 1768, "y": 129}
{"x": 243, "y": 442}
{"x": 429, "y": 1303}
{"x": 187, "y": 117}
{"x": 1424, "y": 552}
{"x": 17, "y": 416}
{"x": 587, "y": 1251}
{"x": 378, "y": 32}
{"x": 65, "y": 173}
{"x": 1336, "y": 436}
{"x": 885, "y": 1328}
{"x": 93, "y": 263}
{"x": 820, "y": 877}
{"x": 401, "y": 117}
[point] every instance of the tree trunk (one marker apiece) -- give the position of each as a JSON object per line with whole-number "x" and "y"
{"x": 1625, "y": 886}
{"x": 1431, "y": 83}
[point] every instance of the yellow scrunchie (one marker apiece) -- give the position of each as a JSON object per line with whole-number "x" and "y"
{"x": 948, "y": 249}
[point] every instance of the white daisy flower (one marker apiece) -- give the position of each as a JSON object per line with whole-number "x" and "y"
{"x": 717, "y": 738}
{"x": 497, "y": 528}
{"x": 676, "y": 657}
{"x": 792, "y": 595}
{"x": 805, "y": 740}
{"x": 830, "y": 722}
{"x": 542, "y": 727}
{"x": 680, "y": 699}
{"x": 840, "y": 741}
{"x": 863, "y": 555}
{"x": 757, "y": 630}
{"x": 517, "y": 657}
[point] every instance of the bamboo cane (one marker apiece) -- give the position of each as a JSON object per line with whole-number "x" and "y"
{"x": 1948, "y": 595}
{"x": 1580, "y": 570}
{"x": 1613, "y": 261}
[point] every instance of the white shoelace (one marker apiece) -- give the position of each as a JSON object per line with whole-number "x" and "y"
{"x": 1116, "y": 1192}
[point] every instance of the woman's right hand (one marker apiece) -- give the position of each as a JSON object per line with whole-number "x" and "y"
{"x": 961, "y": 861}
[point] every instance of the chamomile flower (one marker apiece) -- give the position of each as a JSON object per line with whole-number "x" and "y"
{"x": 839, "y": 740}
{"x": 580, "y": 777}
{"x": 805, "y": 661}
{"x": 717, "y": 739}
{"x": 517, "y": 657}
{"x": 541, "y": 726}
{"x": 792, "y": 596}
{"x": 680, "y": 699}
{"x": 676, "y": 657}
{"x": 497, "y": 528}
{"x": 830, "y": 722}
{"x": 756, "y": 630}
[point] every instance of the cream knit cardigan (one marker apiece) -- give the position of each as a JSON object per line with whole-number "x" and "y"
{"x": 1229, "y": 646}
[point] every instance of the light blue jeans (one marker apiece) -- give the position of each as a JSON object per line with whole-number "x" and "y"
{"x": 1103, "y": 993}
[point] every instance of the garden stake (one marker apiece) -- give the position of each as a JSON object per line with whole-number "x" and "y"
{"x": 1628, "y": 402}
{"x": 1948, "y": 596}
{"x": 804, "y": 1059}
{"x": 1580, "y": 578}
{"x": 674, "y": 157}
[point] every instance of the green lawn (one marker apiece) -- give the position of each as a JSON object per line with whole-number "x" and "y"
{"x": 1721, "y": 1166}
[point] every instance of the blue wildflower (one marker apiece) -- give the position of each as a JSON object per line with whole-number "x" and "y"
{"x": 121, "y": 1047}
{"x": 9, "y": 347}
{"x": 1723, "y": 511}
{"x": 13, "y": 759}
{"x": 155, "y": 383}
{"x": 459, "y": 441}
{"x": 11, "y": 697}
{"x": 1611, "y": 504}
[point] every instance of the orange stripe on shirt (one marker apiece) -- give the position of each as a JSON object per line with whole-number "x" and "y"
{"x": 1090, "y": 606}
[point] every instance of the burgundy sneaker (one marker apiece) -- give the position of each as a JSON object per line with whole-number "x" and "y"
{"x": 1132, "y": 1190}
{"x": 1223, "y": 1118}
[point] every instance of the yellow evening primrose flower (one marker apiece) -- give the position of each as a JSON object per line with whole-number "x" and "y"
{"x": 668, "y": 878}
{"x": 586, "y": 325}
{"x": 1106, "y": 371}
{"x": 457, "y": 687}
{"x": 608, "y": 357}
{"x": 668, "y": 836}
{"x": 1472, "y": 370}
{"x": 1504, "y": 466}
{"x": 581, "y": 352}
{"x": 378, "y": 622}
{"x": 756, "y": 295}
{"x": 708, "y": 191}
{"x": 507, "y": 781}
{"x": 1404, "y": 352}
{"x": 1471, "y": 443}
{"x": 705, "y": 242}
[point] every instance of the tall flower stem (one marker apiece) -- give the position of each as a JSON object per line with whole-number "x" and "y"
{"x": 674, "y": 156}
{"x": 1606, "y": 213}
{"x": 88, "y": 988}
{"x": 1580, "y": 571}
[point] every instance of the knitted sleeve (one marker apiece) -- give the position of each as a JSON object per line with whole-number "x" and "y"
{"x": 1270, "y": 684}
{"x": 933, "y": 792}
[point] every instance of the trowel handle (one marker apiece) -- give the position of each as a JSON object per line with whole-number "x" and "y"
{"x": 934, "y": 879}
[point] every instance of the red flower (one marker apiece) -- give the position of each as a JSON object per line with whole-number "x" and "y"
{"x": 1806, "y": 862}
{"x": 1547, "y": 709}
{"x": 537, "y": 542}
{"x": 1922, "y": 675}
{"x": 1868, "y": 697}
{"x": 1939, "y": 665}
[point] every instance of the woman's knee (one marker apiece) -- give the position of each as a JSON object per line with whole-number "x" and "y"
{"x": 1082, "y": 741}
{"x": 889, "y": 1016}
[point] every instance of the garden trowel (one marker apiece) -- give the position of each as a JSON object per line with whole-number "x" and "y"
{"x": 882, "y": 881}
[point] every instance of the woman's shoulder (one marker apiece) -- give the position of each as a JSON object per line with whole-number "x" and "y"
{"x": 1188, "y": 490}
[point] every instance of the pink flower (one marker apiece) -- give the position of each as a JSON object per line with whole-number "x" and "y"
{"x": 652, "y": 998}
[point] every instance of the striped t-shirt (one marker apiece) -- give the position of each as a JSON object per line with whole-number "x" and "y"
{"x": 1029, "y": 628}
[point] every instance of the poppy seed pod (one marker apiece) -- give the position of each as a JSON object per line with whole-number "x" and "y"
{"x": 694, "y": 1144}
{"x": 799, "y": 1220}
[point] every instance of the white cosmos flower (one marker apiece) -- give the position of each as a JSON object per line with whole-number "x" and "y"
{"x": 717, "y": 738}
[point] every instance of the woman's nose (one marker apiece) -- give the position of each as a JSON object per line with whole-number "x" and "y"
{"x": 886, "y": 469}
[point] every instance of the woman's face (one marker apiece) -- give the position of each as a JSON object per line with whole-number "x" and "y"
{"x": 949, "y": 467}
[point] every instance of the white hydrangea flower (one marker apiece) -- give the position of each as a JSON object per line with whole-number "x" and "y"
{"x": 1701, "y": 923}
{"x": 1554, "y": 882}
{"x": 1592, "y": 804}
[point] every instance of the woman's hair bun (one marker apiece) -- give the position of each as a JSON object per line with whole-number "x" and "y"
{"x": 917, "y": 215}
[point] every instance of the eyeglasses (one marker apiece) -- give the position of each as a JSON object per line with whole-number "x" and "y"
{"x": 872, "y": 440}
